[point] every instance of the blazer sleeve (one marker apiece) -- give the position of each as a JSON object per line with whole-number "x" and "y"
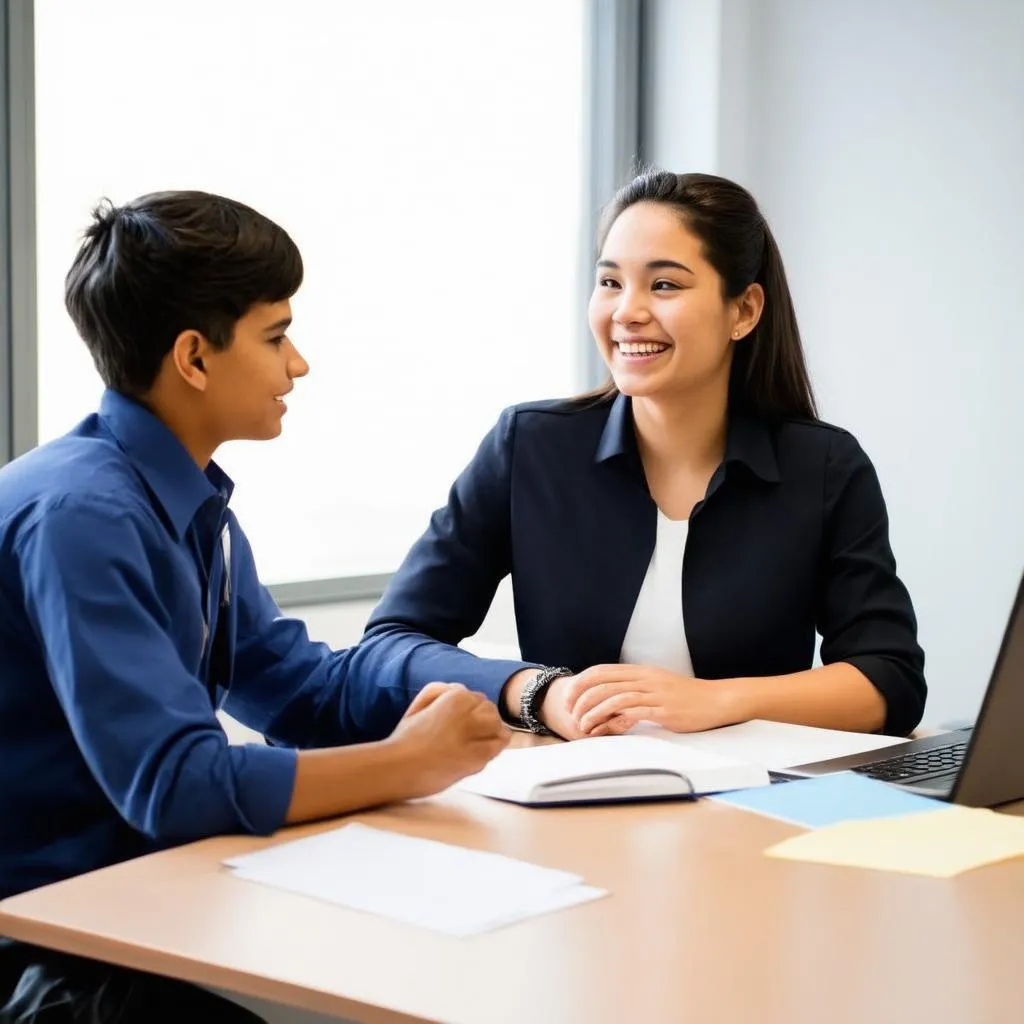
{"x": 444, "y": 587}
{"x": 865, "y": 616}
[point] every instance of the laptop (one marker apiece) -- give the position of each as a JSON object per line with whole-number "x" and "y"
{"x": 978, "y": 767}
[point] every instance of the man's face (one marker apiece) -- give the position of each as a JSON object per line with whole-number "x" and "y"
{"x": 247, "y": 382}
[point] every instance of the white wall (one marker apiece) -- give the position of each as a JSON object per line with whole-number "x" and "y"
{"x": 885, "y": 141}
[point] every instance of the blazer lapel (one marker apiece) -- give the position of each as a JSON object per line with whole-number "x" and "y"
{"x": 626, "y": 517}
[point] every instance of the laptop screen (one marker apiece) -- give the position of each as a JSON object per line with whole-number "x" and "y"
{"x": 993, "y": 771}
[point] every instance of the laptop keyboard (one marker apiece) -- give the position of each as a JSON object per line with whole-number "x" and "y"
{"x": 941, "y": 761}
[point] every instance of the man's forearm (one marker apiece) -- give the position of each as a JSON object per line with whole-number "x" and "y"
{"x": 343, "y": 779}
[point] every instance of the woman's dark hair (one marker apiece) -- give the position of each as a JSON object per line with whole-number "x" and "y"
{"x": 166, "y": 263}
{"x": 769, "y": 375}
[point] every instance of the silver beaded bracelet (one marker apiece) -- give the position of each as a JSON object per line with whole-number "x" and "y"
{"x": 533, "y": 696}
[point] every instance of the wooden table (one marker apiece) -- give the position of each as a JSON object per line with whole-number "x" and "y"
{"x": 700, "y": 927}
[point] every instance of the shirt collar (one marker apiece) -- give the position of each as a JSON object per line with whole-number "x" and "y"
{"x": 749, "y": 441}
{"x": 171, "y": 474}
{"x": 618, "y": 437}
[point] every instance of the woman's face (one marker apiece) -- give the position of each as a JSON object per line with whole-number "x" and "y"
{"x": 657, "y": 312}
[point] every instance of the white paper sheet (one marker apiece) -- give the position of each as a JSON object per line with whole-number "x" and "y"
{"x": 776, "y": 745}
{"x": 418, "y": 881}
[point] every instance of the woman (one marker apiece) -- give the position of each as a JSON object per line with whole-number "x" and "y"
{"x": 676, "y": 539}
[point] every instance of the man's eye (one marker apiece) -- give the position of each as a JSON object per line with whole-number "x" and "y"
{"x": 278, "y": 339}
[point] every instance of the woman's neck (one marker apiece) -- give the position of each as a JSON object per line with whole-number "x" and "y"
{"x": 682, "y": 433}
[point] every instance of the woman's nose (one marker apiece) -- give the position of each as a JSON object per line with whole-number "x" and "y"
{"x": 631, "y": 308}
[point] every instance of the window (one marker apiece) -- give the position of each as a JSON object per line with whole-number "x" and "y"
{"x": 428, "y": 161}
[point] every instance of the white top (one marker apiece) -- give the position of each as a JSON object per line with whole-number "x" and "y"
{"x": 656, "y": 634}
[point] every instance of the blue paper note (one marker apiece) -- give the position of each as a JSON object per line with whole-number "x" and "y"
{"x": 828, "y": 799}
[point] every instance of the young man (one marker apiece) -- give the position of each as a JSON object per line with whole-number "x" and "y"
{"x": 130, "y": 608}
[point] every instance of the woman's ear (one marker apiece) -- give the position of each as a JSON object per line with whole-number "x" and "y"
{"x": 749, "y": 307}
{"x": 188, "y": 358}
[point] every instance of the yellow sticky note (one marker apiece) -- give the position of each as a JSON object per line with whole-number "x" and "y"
{"x": 938, "y": 843}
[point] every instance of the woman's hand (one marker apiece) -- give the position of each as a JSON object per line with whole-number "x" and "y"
{"x": 556, "y": 710}
{"x": 611, "y": 699}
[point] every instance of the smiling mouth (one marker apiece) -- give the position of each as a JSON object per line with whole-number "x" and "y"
{"x": 641, "y": 348}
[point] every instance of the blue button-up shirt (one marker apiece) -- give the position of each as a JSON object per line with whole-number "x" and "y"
{"x": 130, "y": 609}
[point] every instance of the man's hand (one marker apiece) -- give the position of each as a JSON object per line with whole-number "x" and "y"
{"x": 449, "y": 732}
{"x": 610, "y": 699}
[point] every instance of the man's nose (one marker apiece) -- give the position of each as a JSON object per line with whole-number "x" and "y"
{"x": 297, "y": 366}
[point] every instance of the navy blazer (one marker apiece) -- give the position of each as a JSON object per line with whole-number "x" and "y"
{"x": 790, "y": 539}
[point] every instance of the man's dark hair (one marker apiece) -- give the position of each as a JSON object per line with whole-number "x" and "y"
{"x": 166, "y": 263}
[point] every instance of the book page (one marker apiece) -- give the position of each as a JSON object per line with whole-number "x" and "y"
{"x": 776, "y": 745}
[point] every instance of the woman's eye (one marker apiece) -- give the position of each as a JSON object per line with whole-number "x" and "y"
{"x": 607, "y": 282}
{"x": 279, "y": 340}
{"x": 665, "y": 286}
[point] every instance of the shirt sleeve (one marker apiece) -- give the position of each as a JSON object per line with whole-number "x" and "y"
{"x": 296, "y": 691}
{"x": 865, "y": 616}
{"x": 444, "y": 587}
{"x": 143, "y": 722}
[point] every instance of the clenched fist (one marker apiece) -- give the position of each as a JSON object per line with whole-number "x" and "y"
{"x": 449, "y": 732}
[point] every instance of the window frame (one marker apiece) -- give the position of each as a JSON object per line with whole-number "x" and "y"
{"x": 18, "y": 377}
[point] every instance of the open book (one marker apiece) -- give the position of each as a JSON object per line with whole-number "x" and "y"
{"x": 610, "y": 768}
